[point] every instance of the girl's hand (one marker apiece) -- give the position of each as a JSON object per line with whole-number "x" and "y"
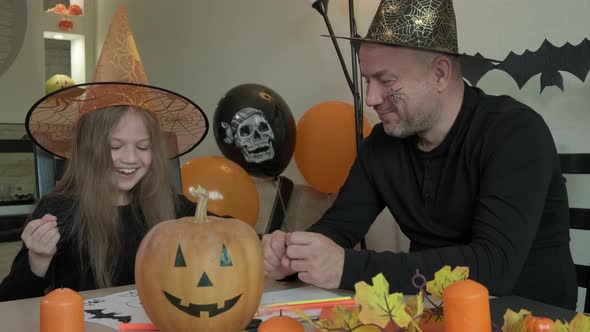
{"x": 40, "y": 236}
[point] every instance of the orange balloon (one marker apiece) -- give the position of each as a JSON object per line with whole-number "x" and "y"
{"x": 231, "y": 190}
{"x": 326, "y": 144}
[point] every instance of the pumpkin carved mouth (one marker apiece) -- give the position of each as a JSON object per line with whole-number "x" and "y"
{"x": 196, "y": 309}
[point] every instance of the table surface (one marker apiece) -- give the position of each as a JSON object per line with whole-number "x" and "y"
{"x": 23, "y": 315}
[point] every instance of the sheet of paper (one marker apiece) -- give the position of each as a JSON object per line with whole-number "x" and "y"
{"x": 114, "y": 309}
{"x": 125, "y": 307}
{"x": 297, "y": 294}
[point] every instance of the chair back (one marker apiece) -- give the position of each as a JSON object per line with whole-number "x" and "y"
{"x": 579, "y": 163}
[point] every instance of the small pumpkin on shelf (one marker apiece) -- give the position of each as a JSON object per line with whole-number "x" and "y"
{"x": 200, "y": 274}
{"x": 65, "y": 24}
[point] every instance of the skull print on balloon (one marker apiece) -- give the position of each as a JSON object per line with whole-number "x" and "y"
{"x": 252, "y": 135}
{"x": 254, "y": 127}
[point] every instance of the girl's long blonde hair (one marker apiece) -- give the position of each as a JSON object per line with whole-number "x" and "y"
{"x": 88, "y": 179}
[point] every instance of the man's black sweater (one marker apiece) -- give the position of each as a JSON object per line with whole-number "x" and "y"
{"x": 490, "y": 197}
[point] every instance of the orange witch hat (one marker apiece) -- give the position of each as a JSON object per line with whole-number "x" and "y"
{"x": 119, "y": 79}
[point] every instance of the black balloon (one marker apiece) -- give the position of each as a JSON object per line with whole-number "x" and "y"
{"x": 255, "y": 128}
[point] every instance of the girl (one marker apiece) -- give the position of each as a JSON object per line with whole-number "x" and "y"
{"x": 116, "y": 186}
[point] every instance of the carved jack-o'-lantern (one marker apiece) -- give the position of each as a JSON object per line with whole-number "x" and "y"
{"x": 200, "y": 274}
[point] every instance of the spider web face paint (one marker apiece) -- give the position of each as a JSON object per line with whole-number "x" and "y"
{"x": 394, "y": 95}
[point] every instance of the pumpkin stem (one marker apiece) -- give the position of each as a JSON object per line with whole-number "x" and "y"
{"x": 203, "y": 196}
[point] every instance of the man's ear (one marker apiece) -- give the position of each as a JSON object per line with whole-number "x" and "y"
{"x": 443, "y": 67}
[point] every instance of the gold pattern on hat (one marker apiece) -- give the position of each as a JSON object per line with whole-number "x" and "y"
{"x": 427, "y": 24}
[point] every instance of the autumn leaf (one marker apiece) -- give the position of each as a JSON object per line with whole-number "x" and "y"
{"x": 516, "y": 322}
{"x": 444, "y": 277}
{"x": 303, "y": 316}
{"x": 378, "y": 306}
{"x": 416, "y": 305}
{"x": 580, "y": 323}
{"x": 561, "y": 327}
{"x": 342, "y": 320}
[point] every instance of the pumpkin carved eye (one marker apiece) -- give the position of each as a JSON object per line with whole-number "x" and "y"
{"x": 204, "y": 281}
{"x": 179, "y": 261}
{"x": 225, "y": 258}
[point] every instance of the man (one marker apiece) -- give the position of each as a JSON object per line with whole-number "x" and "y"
{"x": 473, "y": 180}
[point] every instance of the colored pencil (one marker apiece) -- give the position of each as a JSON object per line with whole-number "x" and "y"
{"x": 310, "y": 301}
{"x": 265, "y": 310}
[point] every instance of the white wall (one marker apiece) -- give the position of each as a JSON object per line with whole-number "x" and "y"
{"x": 23, "y": 83}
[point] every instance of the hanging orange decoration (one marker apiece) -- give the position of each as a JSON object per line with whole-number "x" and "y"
{"x": 59, "y": 9}
{"x": 75, "y": 10}
{"x": 65, "y": 24}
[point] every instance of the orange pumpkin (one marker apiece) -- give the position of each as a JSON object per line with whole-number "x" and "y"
{"x": 281, "y": 324}
{"x": 200, "y": 274}
{"x": 539, "y": 324}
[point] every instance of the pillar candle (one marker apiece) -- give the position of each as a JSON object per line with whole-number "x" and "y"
{"x": 62, "y": 310}
{"x": 466, "y": 307}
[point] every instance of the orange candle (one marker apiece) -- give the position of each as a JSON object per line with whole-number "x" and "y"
{"x": 466, "y": 307}
{"x": 62, "y": 310}
{"x": 281, "y": 324}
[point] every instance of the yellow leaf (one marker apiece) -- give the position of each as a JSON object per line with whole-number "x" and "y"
{"x": 558, "y": 326}
{"x": 444, "y": 277}
{"x": 516, "y": 322}
{"x": 342, "y": 320}
{"x": 580, "y": 323}
{"x": 416, "y": 305}
{"x": 378, "y": 306}
{"x": 303, "y": 315}
{"x": 368, "y": 328}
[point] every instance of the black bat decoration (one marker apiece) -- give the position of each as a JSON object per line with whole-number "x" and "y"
{"x": 98, "y": 313}
{"x": 93, "y": 302}
{"x": 548, "y": 60}
{"x": 474, "y": 68}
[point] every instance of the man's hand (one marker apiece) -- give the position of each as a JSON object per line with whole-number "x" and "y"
{"x": 317, "y": 259}
{"x": 276, "y": 263}
{"x": 40, "y": 236}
